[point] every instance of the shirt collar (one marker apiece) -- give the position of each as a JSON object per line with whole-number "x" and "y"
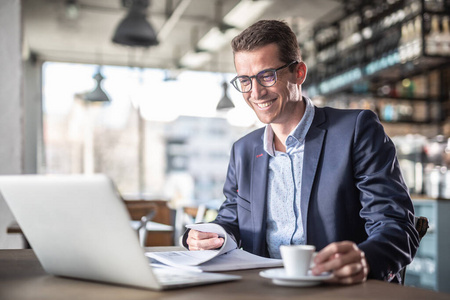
{"x": 299, "y": 132}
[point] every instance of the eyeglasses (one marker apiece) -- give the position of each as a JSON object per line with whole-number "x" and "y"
{"x": 266, "y": 78}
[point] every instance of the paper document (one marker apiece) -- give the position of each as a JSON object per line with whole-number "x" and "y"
{"x": 227, "y": 258}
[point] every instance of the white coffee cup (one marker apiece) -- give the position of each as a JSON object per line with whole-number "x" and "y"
{"x": 297, "y": 259}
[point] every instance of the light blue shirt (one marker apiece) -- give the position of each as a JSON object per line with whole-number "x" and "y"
{"x": 284, "y": 221}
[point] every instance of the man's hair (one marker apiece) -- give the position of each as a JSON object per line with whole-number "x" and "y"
{"x": 266, "y": 32}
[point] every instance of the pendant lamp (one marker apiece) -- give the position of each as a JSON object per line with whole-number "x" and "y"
{"x": 97, "y": 95}
{"x": 225, "y": 103}
{"x": 134, "y": 30}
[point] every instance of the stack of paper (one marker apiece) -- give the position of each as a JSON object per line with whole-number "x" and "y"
{"x": 227, "y": 258}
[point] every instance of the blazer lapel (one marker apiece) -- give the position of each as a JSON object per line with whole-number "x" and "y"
{"x": 313, "y": 148}
{"x": 258, "y": 202}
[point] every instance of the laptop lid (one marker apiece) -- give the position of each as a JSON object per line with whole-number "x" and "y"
{"x": 79, "y": 227}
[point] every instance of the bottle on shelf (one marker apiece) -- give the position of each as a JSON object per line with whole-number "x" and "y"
{"x": 434, "y": 5}
{"x": 433, "y": 37}
{"x": 444, "y": 47}
{"x": 410, "y": 46}
{"x": 417, "y": 42}
{"x": 405, "y": 40}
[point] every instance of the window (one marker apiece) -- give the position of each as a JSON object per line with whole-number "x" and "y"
{"x": 156, "y": 138}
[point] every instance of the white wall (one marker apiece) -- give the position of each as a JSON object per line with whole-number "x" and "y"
{"x": 11, "y": 117}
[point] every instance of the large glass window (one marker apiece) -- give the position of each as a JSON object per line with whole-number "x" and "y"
{"x": 158, "y": 137}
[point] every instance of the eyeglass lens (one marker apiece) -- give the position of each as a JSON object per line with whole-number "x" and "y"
{"x": 266, "y": 78}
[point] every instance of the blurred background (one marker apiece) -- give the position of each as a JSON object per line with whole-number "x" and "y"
{"x": 139, "y": 90}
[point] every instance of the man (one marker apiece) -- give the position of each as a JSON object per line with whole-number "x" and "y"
{"x": 318, "y": 176}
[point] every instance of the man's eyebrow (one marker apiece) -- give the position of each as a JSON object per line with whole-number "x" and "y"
{"x": 265, "y": 69}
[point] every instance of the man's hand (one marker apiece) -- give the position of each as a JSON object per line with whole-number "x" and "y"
{"x": 347, "y": 262}
{"x": 198, "y": 240}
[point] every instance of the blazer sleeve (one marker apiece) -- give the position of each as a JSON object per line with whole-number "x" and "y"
{"x": 228, "y": 215}
{"x": 386, "y": 205}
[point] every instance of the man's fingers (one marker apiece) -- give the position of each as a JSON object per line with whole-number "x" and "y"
{"x": 345, "y": 260}
{"x": 200, "y": 235}
{"x": 333, "y": 248}
{"x": 348, "y": 270}
{"x": 339, "y": 260}
{"x": 360, "y": 276}
{"x": 355, "y": 278}
{"x": 207, "y": 244}
{"x": 198, "y": 240}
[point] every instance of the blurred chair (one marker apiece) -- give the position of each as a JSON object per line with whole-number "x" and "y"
{"x": 141, "y": 227}
{"x": 421, "y": 224}
{"x": 147, "y": 217}
{"x": 195, "y": 214}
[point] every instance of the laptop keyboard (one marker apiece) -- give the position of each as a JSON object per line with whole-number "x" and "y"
{"x": 176, "y": 277}
{"x": 169, "y": 277}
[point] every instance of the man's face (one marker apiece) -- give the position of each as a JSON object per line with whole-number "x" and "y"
{"x": 278, "y": 103}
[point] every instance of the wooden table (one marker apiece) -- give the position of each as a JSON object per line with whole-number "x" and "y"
{"x": 22, "y": 277}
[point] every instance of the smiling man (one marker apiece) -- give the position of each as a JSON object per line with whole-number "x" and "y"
{"x": 318, "y": 176}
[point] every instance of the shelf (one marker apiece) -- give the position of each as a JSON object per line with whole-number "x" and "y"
{"x": 431, "y": 266}
{"x": 361, "y": 57}
{"x": 389, "y": 46}
{"x": 357, "y": 75}
{"x": 407, "y": 122}
{"x": 401, "y": 98}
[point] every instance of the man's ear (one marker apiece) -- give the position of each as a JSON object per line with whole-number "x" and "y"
{"x": 301, "y": 72}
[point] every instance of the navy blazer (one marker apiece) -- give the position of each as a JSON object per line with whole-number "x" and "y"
{"x": 352, "y": 189}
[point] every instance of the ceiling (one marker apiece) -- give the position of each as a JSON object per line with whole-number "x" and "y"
{"x": 51, "y": 33}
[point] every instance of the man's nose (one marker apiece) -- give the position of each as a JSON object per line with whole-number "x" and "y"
{"x": 257, "y": 90}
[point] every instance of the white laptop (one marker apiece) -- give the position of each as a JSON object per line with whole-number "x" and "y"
{"x": 79, "y": 227}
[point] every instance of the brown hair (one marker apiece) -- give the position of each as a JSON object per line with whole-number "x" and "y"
{"x": 266, "y": 32}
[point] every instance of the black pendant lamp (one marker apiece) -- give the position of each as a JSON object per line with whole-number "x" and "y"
{"x": 225, "y": 103}
{"x": 135, "y": 30}
{"x": 97, "y": 95}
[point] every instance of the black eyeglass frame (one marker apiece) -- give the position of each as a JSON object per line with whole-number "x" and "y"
{"x": 235, "y": 80}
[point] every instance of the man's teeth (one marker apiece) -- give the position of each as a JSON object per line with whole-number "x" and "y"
{"x": 265, "y": 104}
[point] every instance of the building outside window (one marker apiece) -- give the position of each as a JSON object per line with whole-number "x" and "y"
{"x": 156, "y": 138}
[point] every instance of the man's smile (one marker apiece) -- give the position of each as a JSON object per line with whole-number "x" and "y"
{"x": 265, "y": 104}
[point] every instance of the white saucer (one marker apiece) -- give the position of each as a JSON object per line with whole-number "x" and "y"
{"x": 279, "y": 277}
